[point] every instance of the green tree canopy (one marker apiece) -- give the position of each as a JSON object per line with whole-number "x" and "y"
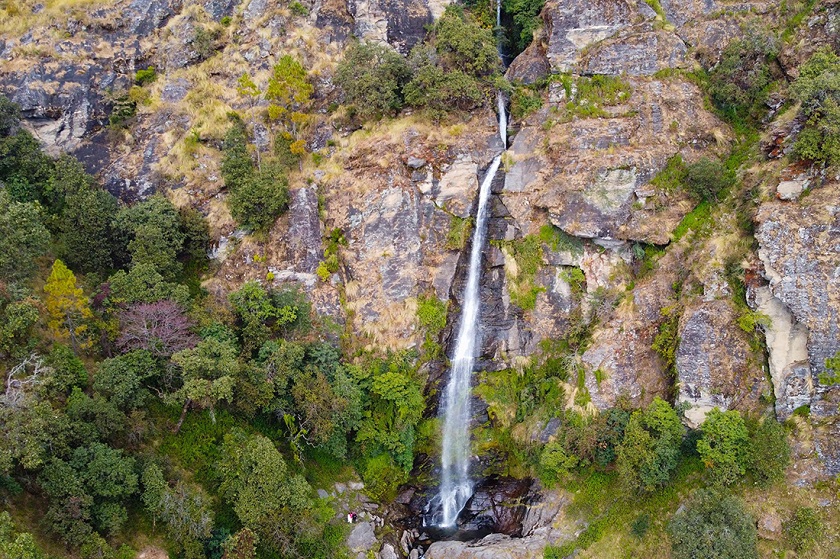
{"x": 650, "y": 449}
{"x": 713, "y": 525}
{"x": 372, "y": 77}
{"x": 23, "y": 238}
{"x": 724, "y": 445}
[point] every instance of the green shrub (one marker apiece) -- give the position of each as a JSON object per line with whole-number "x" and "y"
{"x": 740, "y": 82}
{"x": 818, "y": 89}
{"x": 526, "y": 20}
{"x": 226, "y": 21}
{"x": 804, "y": 529}
{"x": 672, "y": 177}
{"x": 713, "y": 525}
{"x": 831, "y": 375}
{"x": 640, "y": 526}
{"x": 769, "y": 454}
{"x": 524, "y": 101}
{"x": 707, "y": 178}
{"x": 463, "y": 44}
{"x": 298, "y": 9}
{"x": 438, "y": 90}
{"x": 724, "y": 446}
{"x": 647, "y": 456}
{"x": 145, "y": 76}
{"x": 556, "y": 464}
{"x": 372, "y": 77}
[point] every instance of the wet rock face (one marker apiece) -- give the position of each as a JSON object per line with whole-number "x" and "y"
{"x": 497, "y": 506}
{"x": 799, "y": 243}
{"x": 714, "y": 365}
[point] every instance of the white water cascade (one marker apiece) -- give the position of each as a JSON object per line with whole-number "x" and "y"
{"x": 456, "y": 486}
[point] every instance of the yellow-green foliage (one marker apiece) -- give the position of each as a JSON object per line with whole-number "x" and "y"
{"x": 431, "y": 313}
{"x": 528, "y": 257}
{"x": 460, "y": 229}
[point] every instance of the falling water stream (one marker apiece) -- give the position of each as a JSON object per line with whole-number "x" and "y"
{"x": 456, "y": 486}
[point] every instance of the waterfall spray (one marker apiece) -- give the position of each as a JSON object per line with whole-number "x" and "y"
{"x": 456, "y": 486}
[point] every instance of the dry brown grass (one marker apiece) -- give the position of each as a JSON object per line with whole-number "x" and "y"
{"x": 17, "y": 17}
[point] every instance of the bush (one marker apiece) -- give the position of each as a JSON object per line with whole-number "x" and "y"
{"x": 804, "y": 529}
{"x": 146, "y": 76}
{"x": 260, "y": 201}
{"x": 372, "y": 77}
{"x": 463, "y": 44}
{"x": 818, "y": 89}
{"x": 713, "y": 525}
{"x": 438, "y": 90}
{"x": 651, "y": 446}
{"x": 739, "y": 84}
{"x": 526, "y": 20}
{"x": 723, "y": 446}
{"x": 556, "y": 463}
{"x": 769, "y": 454}
{"x": 707, "y": 178}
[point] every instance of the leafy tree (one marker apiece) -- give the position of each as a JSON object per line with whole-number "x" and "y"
{"x": 437, "y": 89}
{"x": 525, "y": 14}
{"x": 143, "y": 284}
{"x": 264, "y": 495}
{"x": 197, "y": 238}
{"x": 184, "y": 509}
{"x": 648, "y": 454}
{"x": 463, "y": 44}
{"x": 17, "y": 318}
{"x": 153, "y": 230}
{"x": 208, "y": 372}
{"x": 68, "y": 371}
{"x": 89, "y": 489}
{"x": 556, "y": 463}
{"x": 818, "y": 89}
{"x": 393, "y": 404}
{"x": 259, "y": 314}
{"x": 92, "y": 419}
{"x": 260, "y": 200}
{"x": 67, "y": 307}
{"x": 289, "y": 93}
{"x": 740, "y": 81}
{"x": 804, "y": 529}
{"x": 23, "y": 238}
{"x": 24, "y": 168}
{"x": 9, "y": 116}
{"x": 85, "y": 228}
{"x": 241, "y": 545}
{"x": 13, "y": 544}
{"x": 724, "y": 445}
{"x": 769, "y": 452}
{"x": 122, "y": 379}
{"x": 237, "y": 166}
{"x": 372, "y": 77}
{"x": 711, "y": 526}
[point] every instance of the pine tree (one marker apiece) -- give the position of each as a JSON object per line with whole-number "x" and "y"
{"x": 67, "y": 307}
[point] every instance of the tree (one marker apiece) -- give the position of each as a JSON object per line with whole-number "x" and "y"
{"x": 464, "y": 45}
{"x": 184, "y": 509}
{"x": 437, "y": 89}
{"x": 651, "y": 446}
{"x": 724, "y": 445}
{"x": 143, "y": 284}
{"x": 85, "y": 230}
{"x": 804, "y": 529}
{"x": 526, "y": 20}
{"x": 241, "y": 545}
{"x": 67, "y": 307}
{"x": 259, "y": 315}
{"x": 153, "y": 231}
{"x": 89, "y": 489}
{"x": 123, "y": 379}
{"x": 769, "y": 452}
{"x": 289, "y": 92}
{"x": 261, "y": 199}
{"x": 556, "y": 463}
{"x": 23, "y": 238}
{"x": 265, "y": 497}
{"x": 209, "y": 372}
{"x": 161, "y": 328}
{"x": 713, "y": 525}
{"x": 16, "y": 545}
{"x": 372, "y": 77}
{"x": 17, "y": 318}
{"x": 9, "y": 116}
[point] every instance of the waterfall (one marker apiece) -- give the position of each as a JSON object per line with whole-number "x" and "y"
{"x": 456, "y": 486}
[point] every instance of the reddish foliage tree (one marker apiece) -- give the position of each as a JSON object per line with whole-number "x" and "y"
{"x": 161, "y": 327}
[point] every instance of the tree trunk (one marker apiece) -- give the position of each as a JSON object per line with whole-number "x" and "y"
{"x": 183, "y": 416}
